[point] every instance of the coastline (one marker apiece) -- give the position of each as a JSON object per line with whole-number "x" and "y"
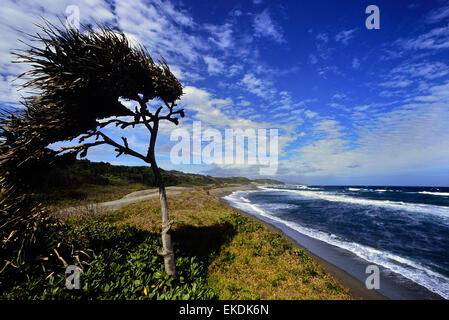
{"x": 344, "y": 266}
{"x": 357, "y": 289}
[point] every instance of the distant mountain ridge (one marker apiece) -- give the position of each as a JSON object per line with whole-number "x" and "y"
{"x": 103, "y": 173}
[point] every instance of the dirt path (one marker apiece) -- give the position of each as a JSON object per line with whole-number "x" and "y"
{"x": 138, "y": 196}
{"x": 126, "y": 200}
{"x": 141, "y": 196}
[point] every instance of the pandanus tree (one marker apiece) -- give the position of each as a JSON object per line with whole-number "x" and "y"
{"x": 82, "y": 79}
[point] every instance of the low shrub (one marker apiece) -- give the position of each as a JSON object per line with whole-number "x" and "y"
{"x": 124, "y": 265}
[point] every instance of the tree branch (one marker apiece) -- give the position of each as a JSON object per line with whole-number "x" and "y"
{"x": 171, "y": 113}
{"x": 122, "y": 149}
{"x": 121, "y": 123}
{"x": 144, "y": 113}
{"x": 81, "y": 148}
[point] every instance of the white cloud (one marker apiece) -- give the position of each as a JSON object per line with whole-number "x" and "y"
{"x": 397, "y": 83}
{"x": 184, "y": 75}
{"x": 345, "y": 36}
{"x": 325, "y": 70}
{"x": 405, "y": 139}
{"x": 244, "y": 103}
{"x": 235, "y": 69}
{"x": 362, "y": 108}
{"x": 259, "y": 87}
{"x": 221, "y": 35}
{"x": 161, "y": 28}
{"x": 214, "y": 66}
{"x": 264, "y": 26}
{"x": 426, "y": 70}
{"x": 437, "y": 15}
{"x": 235, "y": 13}
{"x": 355, "y": 63}
{"x": 210, "y": 110}
{"x": 408, "y": 73}
{"x": 323, "y": 37}
{"x": 310, "y": 114}
{"x": 436, "y": 94}
{"x": 437, "y": 38}
{"x": 339, "y": 96}
{"x": 20, "y": 17}
{"x": 9, "y": 89}
{"x": 23, "y": 15}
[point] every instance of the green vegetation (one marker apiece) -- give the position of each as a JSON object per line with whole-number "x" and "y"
{"x": 81, "y": 78}
{"x": 124, "y": 265}
{"x": 84, "y": 182}
{"x": 220, "y": 255}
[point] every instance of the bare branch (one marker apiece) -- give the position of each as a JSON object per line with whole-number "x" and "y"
{"x": 158, "y": 111}
{"x": 88, "y": 135}
{"x": 169, "y": 116}
{"x": 121, "y": 123}
{"x": 122, "y": 149}
{"x": 125, "y": 141}
{"x": 81, "y": 148}
{"x": 144, "y": 113}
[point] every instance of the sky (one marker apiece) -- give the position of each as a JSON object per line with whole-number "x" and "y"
{"x": 352, "y": 106}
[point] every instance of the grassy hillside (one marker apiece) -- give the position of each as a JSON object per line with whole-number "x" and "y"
{"x": 84, "y": 181}
{"x": 244, "y": 259}
{"x": 219, "y": 255}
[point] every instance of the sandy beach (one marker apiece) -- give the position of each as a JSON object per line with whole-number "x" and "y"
{"x": 357, "y": 288}
{"x": 344, "y": 266}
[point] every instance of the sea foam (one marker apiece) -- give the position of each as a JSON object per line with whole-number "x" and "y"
{"x": 438, "y": 211}
{"x": 444, "y": 194}
{"x": 409, "y": 269}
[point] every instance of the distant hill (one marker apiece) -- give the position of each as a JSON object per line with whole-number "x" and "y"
{"x": 102, "y": 173}
{"x": 83, "y": 181}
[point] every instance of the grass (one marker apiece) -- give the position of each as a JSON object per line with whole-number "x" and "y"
{"x": 220, "y": 254}
{"x": 84, "y": 182}
{"x": 245, "y": 259}
{"x": 87, "y": 194}
{"x": 122, "y": 264}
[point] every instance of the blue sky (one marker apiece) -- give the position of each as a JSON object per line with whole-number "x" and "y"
{"x": 353, "y": 106}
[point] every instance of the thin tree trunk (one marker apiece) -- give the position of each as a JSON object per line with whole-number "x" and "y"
{"x": 167, "y": 247}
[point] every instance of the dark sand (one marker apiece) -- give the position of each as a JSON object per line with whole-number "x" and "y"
{"x": 357, "y": 289}
{"x": 343, "y": 265}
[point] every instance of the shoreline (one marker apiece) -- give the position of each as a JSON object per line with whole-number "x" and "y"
{"x": 357, "y": 289}
{"x": 343, "y": 265}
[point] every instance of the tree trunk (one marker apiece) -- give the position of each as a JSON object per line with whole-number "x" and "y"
{"x": 167, "y": 247}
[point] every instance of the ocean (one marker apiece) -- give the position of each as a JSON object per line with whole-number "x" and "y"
{"x": 404, "y": 230}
